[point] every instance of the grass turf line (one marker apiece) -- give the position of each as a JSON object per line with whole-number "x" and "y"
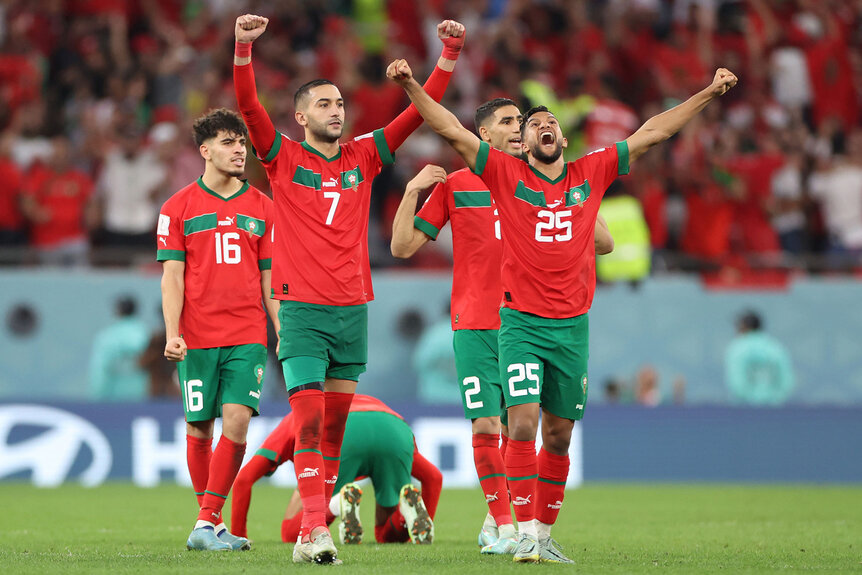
{"x": 119, "y": 529}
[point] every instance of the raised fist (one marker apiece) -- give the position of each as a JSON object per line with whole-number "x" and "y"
{"x": 249, "y": 27}
{"x": 723, "y": 81}
{"x": 399, "y": 71}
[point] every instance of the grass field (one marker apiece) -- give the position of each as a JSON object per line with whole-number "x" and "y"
{"x": 605, "y": 528}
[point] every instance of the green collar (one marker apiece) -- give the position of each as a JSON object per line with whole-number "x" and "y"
{"x": 549, "y": 180}
{"x": 308, "y": 147}
{"x": 239, "y": 192}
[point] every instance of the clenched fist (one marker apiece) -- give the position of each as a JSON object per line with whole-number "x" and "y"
{"x": 249, "y": 27}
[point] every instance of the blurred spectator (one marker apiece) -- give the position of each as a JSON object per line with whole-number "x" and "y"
{"x": 630, "y": 260}
{"x": 786, "y": 203}
{"x": 55, "y": 202}
{"x": 129, "y": 188}
{"x": 115, "y": 371}
{"x": 434, "y": 362}
{"x": 161, "y": 374}
{"x": 647, "y": 391}
{"x": 613, "y": 391}
{"x": 12, "y": 231}
{"x": 758, "y": 370}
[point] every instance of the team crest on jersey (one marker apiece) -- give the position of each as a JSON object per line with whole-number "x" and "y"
{"x": 258, "y": 373}
{"x": 578, "y": 195}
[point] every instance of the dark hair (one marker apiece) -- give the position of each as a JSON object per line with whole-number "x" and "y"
{"x": 215, "y": 121}
{"x": 126, "y": 306}
{"x": 487, "y": 110}
{"x": 306, "y": 89}
{"x": 750, "y": 320}
{"x": 530, "y": 112}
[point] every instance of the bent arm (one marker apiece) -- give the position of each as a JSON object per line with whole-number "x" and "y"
{"x": 604, "y": 240}
{"x": 444, "y": 122}
{"x": 406, "y": 239}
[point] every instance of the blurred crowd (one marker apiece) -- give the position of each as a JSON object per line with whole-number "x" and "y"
{"x": 97, "y": 98}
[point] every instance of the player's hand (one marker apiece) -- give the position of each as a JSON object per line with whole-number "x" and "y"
{"x": 399, "y": 71}
{"x": 427, "y": 177}
{"x": 175, "y": 349}
{"x": 723, "y": 81}
{"x": 452, "y": 34}
{"x": 249, "y": 27}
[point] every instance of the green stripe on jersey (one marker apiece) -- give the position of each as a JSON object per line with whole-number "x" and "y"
{"x": 351, "y": 179}
{"x": 481, "y": 158}
{"x": 383, "y": 151}
{"x": 472, "y": 199}
{"x": 163, "y": 255}
{"x": 254, "y": 226}
{"x": 622, "y": 158}
{"x": 200, "y": 224}
{"x": 532, "y": 197}
{"x": 264, "y": 264}
{"x": 578, "y": 195}
{"x": 307, "y": 178}
{"x": 425, "y": 227}
{"x": 276, "y": 146}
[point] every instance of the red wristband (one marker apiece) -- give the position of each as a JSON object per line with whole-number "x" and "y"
{"x": 242, "y": 50}
{"x": 450, "y": 53}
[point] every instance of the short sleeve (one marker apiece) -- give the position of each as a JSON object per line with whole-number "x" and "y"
{"x": 434, "y": 212}
{"x": 170, "y": 239}
{"x": 603, "y": 166}
{"x": 270, "y": 159}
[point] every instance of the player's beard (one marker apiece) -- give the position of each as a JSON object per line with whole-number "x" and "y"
{"x": 548, "y": 158}
{"x": 322, "y": 132}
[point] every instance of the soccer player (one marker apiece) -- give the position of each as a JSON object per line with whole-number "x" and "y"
{"x": 548, "y": 210}
{"x": 463, "y": 199}
{"x": 214, "y": 242}
{"x": 378, "y": 444}
{"x": 321, "y": 190}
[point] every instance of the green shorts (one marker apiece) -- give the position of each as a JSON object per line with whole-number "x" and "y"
{"x": 322, "y": 341}
{"x": 211, "y": 377}
{"x": 544, "y": 360}
{"x": 380, "y": 446}
{"x": 478, "y": 372}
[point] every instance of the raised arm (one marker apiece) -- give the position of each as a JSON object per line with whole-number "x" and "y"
{"x": 441, "y": 120}
{"x": 452, "y": 35}
{"x": 260, "y": 128}
{"x": 662, "y": 126}
{"x": 406, "y": 239}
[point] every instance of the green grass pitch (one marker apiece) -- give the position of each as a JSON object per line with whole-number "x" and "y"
{"x": 122, "y": 529}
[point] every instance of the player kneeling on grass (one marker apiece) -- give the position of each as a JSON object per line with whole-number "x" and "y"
{"x": 378, "y": 444}
{"x": 215, "y": 246}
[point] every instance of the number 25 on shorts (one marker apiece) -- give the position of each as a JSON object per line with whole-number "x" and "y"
{"x": 523, "y": 372}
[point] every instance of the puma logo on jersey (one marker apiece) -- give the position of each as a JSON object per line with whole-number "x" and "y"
{"x": 330, "y": 184}
{"x": 522, "y": 500}
{"x": 164, "y": 241}
{"x": 490, "y": 498}
{"x": 309, "y": 472}
{"x": 227, "y": 221}
{"x": 555, "y": 204}
{"x": 556, "y": 505}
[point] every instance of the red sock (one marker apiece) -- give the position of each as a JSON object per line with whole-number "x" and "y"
{"x": 551, "y": 486}
{"x": 521, "y": 472}
{"x": 224, "y": 466}
{"x": 241, "y": 498}
{"x": 199, "y": 452}
{"x": 492, "y": 475}
{"x": 393, "y": 531}
{"x": 336, "y": 410}
{"x": 504, "y": 443}
{"x": 308, "y": 408}
{"x": 430, "y": 478}
{"x": 290, "y": 528}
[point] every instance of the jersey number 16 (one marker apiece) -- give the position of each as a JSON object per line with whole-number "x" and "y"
{"x": 225, "y": 251}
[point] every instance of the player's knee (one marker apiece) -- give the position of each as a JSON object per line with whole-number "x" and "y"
{"x": 486, "y": 425}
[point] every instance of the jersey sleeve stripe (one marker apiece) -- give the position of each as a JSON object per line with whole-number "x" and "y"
{"x": 264, "y": 265}
{"x": 481, "y": 158}
{"x": 622, "y": 158}
{"x": 383, "y": 148}
{"x": 276, "y": 146}
{"x": 472, "y": 199}
{"x": 425, "y": 227}
{"x": 164, "y": 255}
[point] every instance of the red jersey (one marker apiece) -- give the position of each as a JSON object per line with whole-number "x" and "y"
{"x": 321, "y": 219}
{"x": 548, "y": 228}
{"x": 280, "y": 443}
{"x": 225, "y": 243}
{"x": 64, "y": 195}
{"x": 10, "y": 212}
{"x": 465, "y": 200}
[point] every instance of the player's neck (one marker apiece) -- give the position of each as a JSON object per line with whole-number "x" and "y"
{"x": 550, "y": 171}
{"x": 328, "y": 149}
{"x": 222, "y": 184}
